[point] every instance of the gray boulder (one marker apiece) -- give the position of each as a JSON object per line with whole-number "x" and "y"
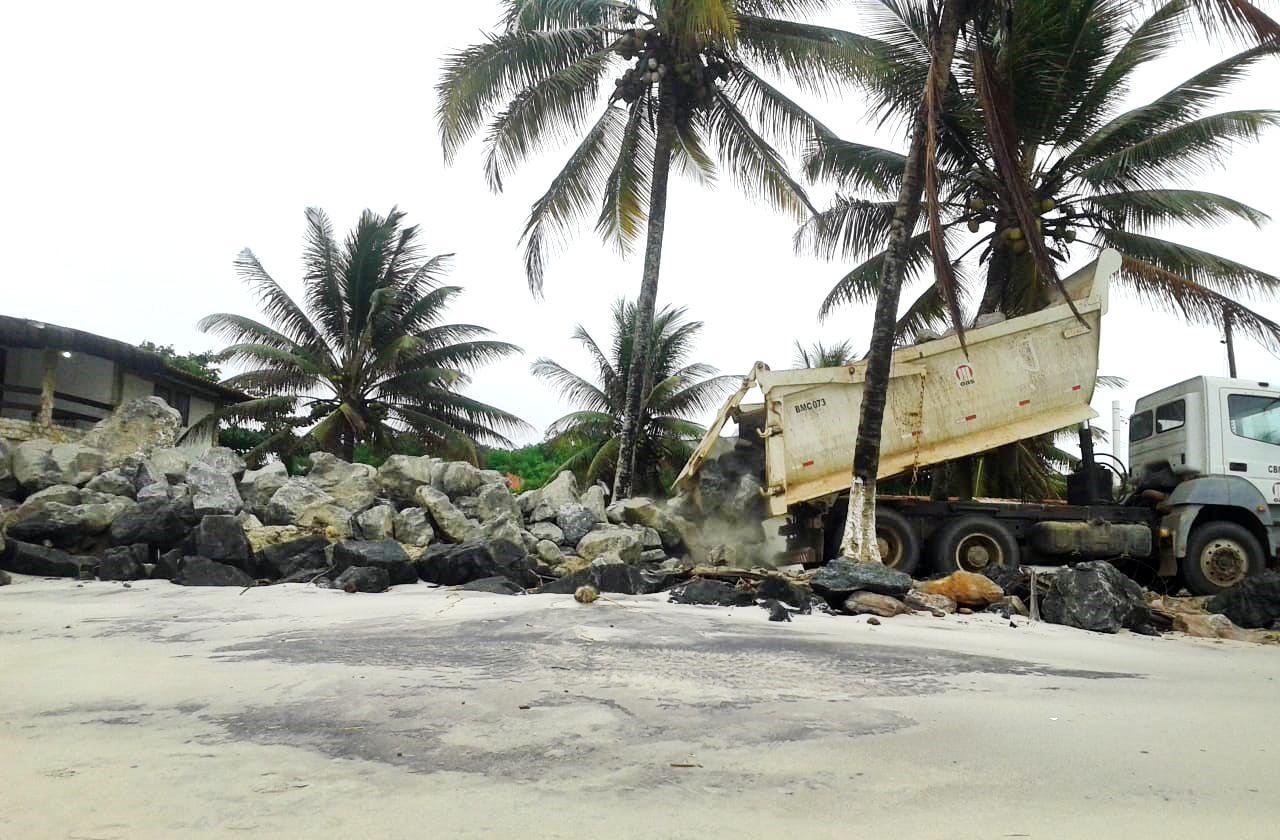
{"x": 362, "y": 579}
{"x": 221, "y": 459}
{"x": 548, "y": 531}
{"x": 450, "y": 522}
{"x": 542, "y": 504}
{"x": 293, "y": 498}
{"x": 288, "y": 558}
{"x": 28, "y": 559}
{"x": 1252, "y": 603}
{"x": 65, "y": 526}
{"x": 376, "y": 523}
{"x": 199, "y": 571}
{"x": 114, "y": 483}
{"x": 413, "y": 527}
{"x": 452, "y": 565}
{"x": 213, "y": 490}
{"x": 497, "y": 585}
{"x": 382, "y": 554}
{"x": 62, "y": 493}
{"x": 171, "y": 463}
{"x": 841, "y": 577}
{"x": 460, "y": 479}
{"x": 608, "y": 573}
{"x": 548, "y": 552}
{"x": 594, "y": 499}
{"x": 623, "y": 542}
{"x": 135, "y": 428}
{"x": 157, "y": 522}
{"x": 641, "y": 511}
{"x": 221, "y": 538}
{"x": 8, "y": 483}
{"x": 352, "y": 486}
{"x": 1095, "y": 596}
{"x": 575, "y": 521}
{"x": 258, "y": 486}
{"x": 494, "y": 500}
{"x": 38, "y": 464}
{"x": 492, "y": 477}
{"x": 124, "y": 562}
{"x": 711, "y": 593}
{"x": 400, "y": 476}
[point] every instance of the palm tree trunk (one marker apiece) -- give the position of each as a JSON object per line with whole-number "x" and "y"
{"x": 859, "y": 541}
{"x": 638, "y": 371}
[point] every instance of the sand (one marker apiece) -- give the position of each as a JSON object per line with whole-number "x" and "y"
{"x": 167, "y": 712}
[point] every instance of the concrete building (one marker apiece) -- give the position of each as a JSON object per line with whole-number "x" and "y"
{"x": 60, "y": 380}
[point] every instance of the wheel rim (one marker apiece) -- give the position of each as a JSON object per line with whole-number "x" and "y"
{"x": 975, "y": 552}
{"x": 1224, "y": 562}
{"x": 891, "y": 549}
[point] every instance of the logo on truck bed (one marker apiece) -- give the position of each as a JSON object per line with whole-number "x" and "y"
{"x": 811, "y": 405}
{"x": 964, "y": 375}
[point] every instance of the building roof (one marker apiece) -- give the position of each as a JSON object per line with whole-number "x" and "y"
{"x": 22, "y": 332}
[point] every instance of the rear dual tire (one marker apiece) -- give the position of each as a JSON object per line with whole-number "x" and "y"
{"x": 898, "y": 542}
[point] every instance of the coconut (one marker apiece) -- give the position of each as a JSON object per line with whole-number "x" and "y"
{"x": 976, "y": 203}
{"x": 1070, "y": 236}
{"x": 1020, "y": 246}
{"x": 974, "y": 226}
{"x": 1047, "y": 205}
{"x": 1013, "y": 234}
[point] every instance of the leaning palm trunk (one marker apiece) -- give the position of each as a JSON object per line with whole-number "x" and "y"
{"x": 647, "y": 301}
{"x": 859, "y": 541}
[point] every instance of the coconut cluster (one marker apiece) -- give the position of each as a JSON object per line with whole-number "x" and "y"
{"x": 1010, "y": 233}
{"x": 690, "y": 78}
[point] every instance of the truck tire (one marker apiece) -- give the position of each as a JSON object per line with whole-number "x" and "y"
{"x": 899, "y": 543}
{"x": 974, "y": 544}
{"x": 1219, "y": 556}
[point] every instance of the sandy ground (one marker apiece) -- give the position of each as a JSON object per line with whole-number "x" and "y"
{"x": 158, "y": 711}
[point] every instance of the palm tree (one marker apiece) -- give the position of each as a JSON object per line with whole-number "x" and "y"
{"x": 926, "y": 41}
{"x": 689, "y": 90}
{"x": 368, "y": 356}
{"x": 819, "y": 355}
{"x": 677, "y": 392}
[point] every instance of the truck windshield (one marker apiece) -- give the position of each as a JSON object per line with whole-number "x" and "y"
{"x": 1256, "y": 418}
{"x": 1140, "y": 426}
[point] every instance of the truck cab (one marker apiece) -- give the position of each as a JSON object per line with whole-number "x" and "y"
{"x": 1211, "y": 445}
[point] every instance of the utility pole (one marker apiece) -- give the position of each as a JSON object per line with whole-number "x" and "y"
{"x": 1231, "y": 346}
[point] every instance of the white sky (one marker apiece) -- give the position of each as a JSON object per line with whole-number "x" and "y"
{"x": 146, "y": 143}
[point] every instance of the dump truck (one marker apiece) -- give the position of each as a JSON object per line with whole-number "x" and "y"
{"x": 1199, "y": 503}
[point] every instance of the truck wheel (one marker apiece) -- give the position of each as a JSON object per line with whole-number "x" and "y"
{"x": 974, "y": 544}
{"x": 1220, "y": 555}
{"x": 899, "y": 545}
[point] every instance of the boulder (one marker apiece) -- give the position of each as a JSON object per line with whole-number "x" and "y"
{"x": 286, "y": 558}
{"x": 159, "y": 490}
{"x": 5, "y": 580}
{"x": 841, "y": 577}
{"x": 413, "y": 527}
{"x": 938, "y": 605}
{"x": 63, "y": 525}
{"x": 610, "y": 539}
{"x": 594, "y": 499}
{"x": 157, "y": 522}
{"x": 548, "y": 531}
{"x": 712, "y": 593}
{"x": 400, "y": 476}
{"x": 451, "y": 565}
{"x": 1252, "y": 603}
{"x": 28, "y": 559}
{"x": 8, "y": 484}
{"x": 607, "y": 573}
{"x": 38, "y": 464}
{"x": 575, "y": 521}
{"x": 248, "y": 521}
{"x": 545, "y": 502}
{"x": 493, "y": 477}
{"x": 714, "y": 488}
{"x": 548, "y": 552}
{"x": 652, "y": 556}
{"x": 353, "y": 487}
{"x": 460, "y": 479}
{"x": 376, "y": 523}
{"x": 294, "y": 496}
{"x": 124, "y": 562}
{"x": 381, "y": 554}
{"x": 495, "y": 500}
{"x": 873, "y": 603}
{"x": 335, "y": 521}
{"x": 1209, "y": 626}
{"x": 113, "y": 483}
{"x": 362, "y": 579}
{"x": 200, "y": 571}
{"x": 61, "y": 493}
{"x": 1094, "y": 596}
{"x": 269, "y": 535}
{"x": 171, "y": 463}
{"x": 223, "y": 460}
{"x": 967, "y": 589}
{"x": 641, "y": 511}
{"x": 505, "y": 528}
{"x": 258, "y": 486}
{"x": 135, "y": 428}
{"x": 497, "y": 585}
{"x": 219, "y": 537}
{"x": 168, "y": 564}
{"x": 648, "y": 537}
{"x": 781, "y": 588}
{"x": 746, "y": 499}
{"x": 213, "y": 490}
{"x": 449, "y": 521}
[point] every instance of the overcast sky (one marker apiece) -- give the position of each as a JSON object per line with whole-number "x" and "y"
{"x": 146, "y": 143}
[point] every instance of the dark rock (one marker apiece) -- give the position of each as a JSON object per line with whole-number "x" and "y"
{"x": 1253, "y": 603}
{"x": 382, "y": 554}
{"x": 453, "y": 565}
{"x": 5, "y": 580}
{"x": 157, "y": 522}
{"x": 777, "y": 610}
{"x": 705, "y": 592}
{"x": 777, "y": 587}
{"x": 653, "y": 555}
{"x": 575, "y": 521}
{"x": 714, "y": 487}
{"x": 167, "y": 566}
{"x": 284, "y": 559}
{"x": 1013, "y": 580}
{"x": 220, "y": 537}
{"x": 1095, "y": 596}
{"x": 124, "y": 562}
{"x": 200, "y": 571}
{"x": 494, "y": 585}
{"x": 841, "y": 577}
{"x": 363, "y": 579}
{"x": 28, "y": 559}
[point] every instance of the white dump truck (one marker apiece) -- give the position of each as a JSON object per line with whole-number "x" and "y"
{"x": 1200, "y": 506}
